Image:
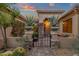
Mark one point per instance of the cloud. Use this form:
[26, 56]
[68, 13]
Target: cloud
[72, 4]
[51, 4]
[26, 7]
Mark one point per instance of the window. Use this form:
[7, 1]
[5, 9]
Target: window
[67, 26]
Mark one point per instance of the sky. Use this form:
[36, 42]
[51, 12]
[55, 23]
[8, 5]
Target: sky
[30, 8]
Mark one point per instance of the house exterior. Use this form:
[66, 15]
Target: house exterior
[68, 21]
[52, 15]
[47, 13]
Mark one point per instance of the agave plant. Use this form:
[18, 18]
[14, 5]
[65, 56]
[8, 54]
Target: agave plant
[30, 21]
[53, 20]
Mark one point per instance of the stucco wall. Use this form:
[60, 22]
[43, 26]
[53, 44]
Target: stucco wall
[66, 42]
[75, 24]
[8, 35]
[60, 27]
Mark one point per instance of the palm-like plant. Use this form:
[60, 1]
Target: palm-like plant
[30, 21]
[4, 5]
[15, 13]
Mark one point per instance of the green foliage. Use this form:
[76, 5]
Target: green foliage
[4, 5]
[35, 27]
[15, 12]
[30, 21]
[7, 53]
[19, 51]
[16, 52]
[35, 34]
[18, 29]
[5, 19]
[53, 20]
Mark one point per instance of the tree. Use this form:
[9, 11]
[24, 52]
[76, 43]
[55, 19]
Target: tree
[15, 13]
[5, 21]
[4, 5]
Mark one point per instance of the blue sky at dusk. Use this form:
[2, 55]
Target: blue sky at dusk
[30, 8]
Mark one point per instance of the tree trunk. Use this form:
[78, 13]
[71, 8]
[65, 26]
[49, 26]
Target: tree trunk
[3, 30]
[5, 38]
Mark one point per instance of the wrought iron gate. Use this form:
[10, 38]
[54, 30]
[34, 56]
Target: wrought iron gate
[44, 39]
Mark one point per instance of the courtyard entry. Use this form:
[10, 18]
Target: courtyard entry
[44, 39]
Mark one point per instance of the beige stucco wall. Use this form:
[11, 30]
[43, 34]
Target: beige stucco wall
[75, 24]
[60, 27]
[8, 33]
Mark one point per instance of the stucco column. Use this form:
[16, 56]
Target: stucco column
[75, 24]
[61, 26]
[78, 24]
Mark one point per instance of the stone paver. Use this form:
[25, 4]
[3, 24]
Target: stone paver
[40, 48]
[41, 51]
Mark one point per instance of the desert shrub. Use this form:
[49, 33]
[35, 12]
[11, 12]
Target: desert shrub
[19, 51]
[16, 52]
[7, 53]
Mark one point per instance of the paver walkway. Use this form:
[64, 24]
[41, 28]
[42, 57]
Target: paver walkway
[41, 51]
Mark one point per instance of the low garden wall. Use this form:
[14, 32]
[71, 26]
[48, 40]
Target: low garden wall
[66, 42]
[12, 42]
